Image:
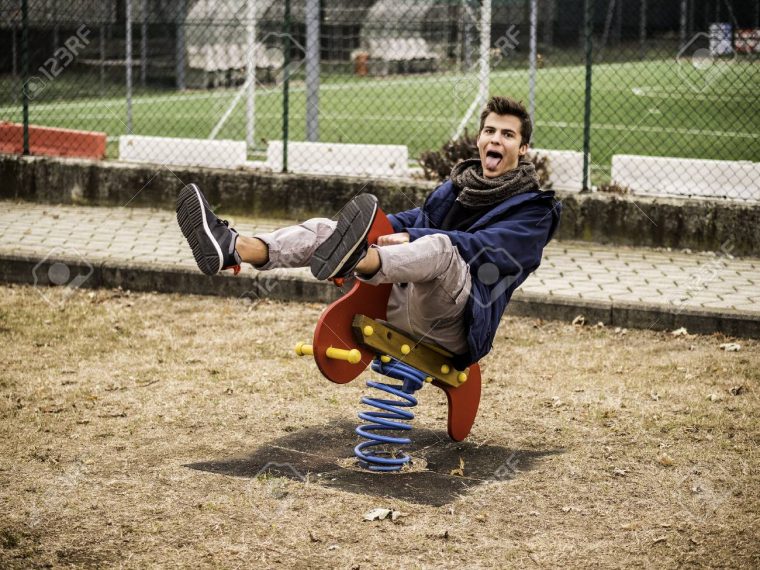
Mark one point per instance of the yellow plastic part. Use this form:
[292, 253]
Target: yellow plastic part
[353, 356]
[385, 358]
[461, 377]
[368, 330]
[429, 379]
[303, 349]
[445, 369]
[405, 349]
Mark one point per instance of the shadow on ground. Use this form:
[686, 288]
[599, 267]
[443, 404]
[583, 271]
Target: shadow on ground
[317, 453]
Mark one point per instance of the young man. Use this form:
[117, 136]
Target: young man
[454, 262]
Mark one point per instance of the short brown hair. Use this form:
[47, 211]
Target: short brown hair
[508, 106]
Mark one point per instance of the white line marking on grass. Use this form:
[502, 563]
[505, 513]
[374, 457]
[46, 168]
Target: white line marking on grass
[644, 129]
[659, 93]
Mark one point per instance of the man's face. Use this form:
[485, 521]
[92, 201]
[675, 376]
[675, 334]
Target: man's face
[500, 144]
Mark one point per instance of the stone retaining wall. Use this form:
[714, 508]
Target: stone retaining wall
[704, 225]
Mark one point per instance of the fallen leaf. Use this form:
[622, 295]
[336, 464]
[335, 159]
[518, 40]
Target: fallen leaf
[314, 538]
[665, 459]
[629, 526]
[620, 472]
[680, 332]
[376, 514]
[381, 514]
[459, 471]
[736, 390]
[730, 347]
[714, 397]
[660, 539]
[580, 320]
[655, 396]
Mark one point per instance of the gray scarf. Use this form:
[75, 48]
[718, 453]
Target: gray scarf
[477, 190]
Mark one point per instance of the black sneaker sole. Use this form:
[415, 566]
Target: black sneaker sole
[192, 221]
[354, 223]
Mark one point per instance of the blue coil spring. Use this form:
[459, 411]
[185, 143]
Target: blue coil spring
[391, 416]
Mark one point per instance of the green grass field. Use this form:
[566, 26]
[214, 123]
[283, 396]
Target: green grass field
[660, 108]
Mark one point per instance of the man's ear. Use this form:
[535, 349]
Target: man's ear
[524, 149]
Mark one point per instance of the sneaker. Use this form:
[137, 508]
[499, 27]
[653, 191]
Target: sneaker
[211, 239]
[347, 245]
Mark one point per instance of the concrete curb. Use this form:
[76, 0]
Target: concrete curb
[36, 270]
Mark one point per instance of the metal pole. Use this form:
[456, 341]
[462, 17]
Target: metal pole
[485, 46]
[250, 76]
[14, 49]
[682, 25]
[179, 47]
[144, 42]
[549, 24]
[285, 85]
[466, 60]
[588, 29]
[312, 70]
[56, 29]
[25, 72]
[643, 30]
[105, 11]
[533, 58]
[128, 60]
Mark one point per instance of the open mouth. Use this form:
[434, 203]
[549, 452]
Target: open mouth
[493, 158]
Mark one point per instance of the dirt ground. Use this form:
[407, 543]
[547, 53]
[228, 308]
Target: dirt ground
[107, 397]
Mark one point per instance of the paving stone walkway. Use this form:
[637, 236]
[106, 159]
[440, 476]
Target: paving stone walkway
[673, 280]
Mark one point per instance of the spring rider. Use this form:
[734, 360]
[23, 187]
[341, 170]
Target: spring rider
[351, 334]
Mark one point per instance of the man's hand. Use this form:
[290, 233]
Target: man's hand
[393, 239]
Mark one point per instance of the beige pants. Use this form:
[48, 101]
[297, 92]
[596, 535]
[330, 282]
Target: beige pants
[431, 280]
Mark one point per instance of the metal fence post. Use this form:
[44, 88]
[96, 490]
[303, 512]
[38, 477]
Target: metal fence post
[485, 46]
[25, 71]
[128, 63]
[643, 30]
[533, 59]
[312, 70]
[179, 47]
[682, 23]
[143, 42]
[588, 29]
[250, 76]
[285, 85]
[105, 12]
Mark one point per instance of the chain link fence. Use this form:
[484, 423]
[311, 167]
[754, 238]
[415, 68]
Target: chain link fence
[639, 96]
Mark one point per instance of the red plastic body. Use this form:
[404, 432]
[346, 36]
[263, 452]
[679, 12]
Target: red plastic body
[334, 329]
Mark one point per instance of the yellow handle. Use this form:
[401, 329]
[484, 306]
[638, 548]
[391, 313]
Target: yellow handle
[353, 356]
[303, 349]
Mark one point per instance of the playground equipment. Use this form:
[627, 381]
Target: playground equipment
[351, 334]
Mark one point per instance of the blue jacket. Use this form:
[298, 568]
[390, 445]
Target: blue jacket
[502, 248]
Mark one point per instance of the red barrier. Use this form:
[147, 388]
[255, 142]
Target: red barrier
[51, 141]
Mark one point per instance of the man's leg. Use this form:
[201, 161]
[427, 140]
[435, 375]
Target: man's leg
[216, 246]
[435, 285]
[292, 246]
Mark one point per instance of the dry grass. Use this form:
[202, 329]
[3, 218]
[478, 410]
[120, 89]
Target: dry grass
[105, 400]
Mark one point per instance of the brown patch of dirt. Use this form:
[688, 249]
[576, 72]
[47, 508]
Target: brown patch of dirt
[105, 401]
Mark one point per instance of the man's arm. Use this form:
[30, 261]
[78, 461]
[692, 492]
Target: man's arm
[403, 220]
[513, 245]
